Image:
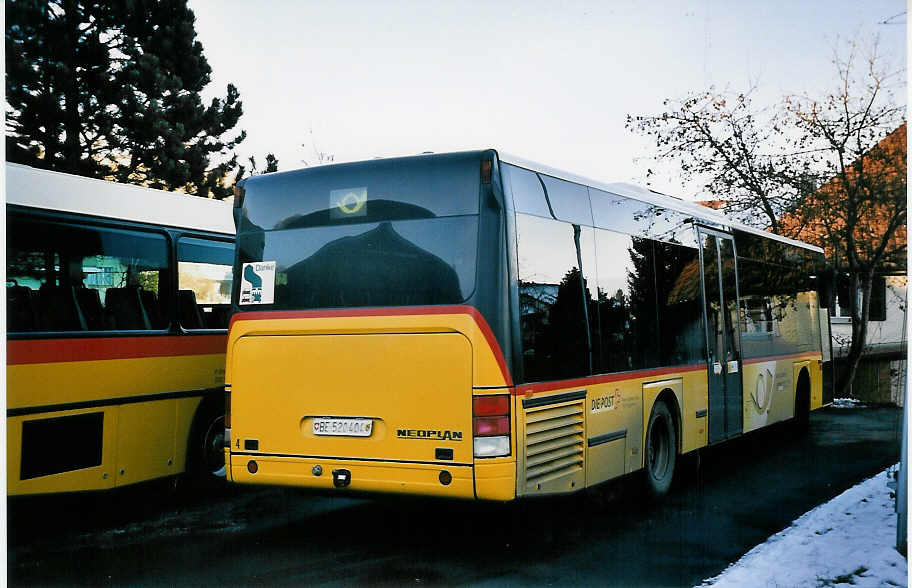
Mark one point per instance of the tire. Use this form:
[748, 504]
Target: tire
[802, 405]
[660, 454]
[206, 451]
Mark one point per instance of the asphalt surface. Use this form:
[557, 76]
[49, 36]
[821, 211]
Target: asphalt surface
[738, 495]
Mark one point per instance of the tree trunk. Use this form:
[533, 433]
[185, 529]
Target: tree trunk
[860, 280]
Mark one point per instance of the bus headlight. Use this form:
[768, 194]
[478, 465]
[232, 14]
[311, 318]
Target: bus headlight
[498, 446]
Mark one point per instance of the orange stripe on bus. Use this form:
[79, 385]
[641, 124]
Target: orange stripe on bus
[21, 352]
[395, 311]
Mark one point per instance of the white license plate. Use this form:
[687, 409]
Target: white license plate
[342, 427]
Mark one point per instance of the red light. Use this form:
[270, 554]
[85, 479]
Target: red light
[488, 426]
[491, 405]
[252, 467]
[445, 477]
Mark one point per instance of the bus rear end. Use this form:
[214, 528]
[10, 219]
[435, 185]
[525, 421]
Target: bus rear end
[360, 357]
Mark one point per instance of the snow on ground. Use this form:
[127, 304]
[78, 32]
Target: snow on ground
[846, 403]
[850, 540]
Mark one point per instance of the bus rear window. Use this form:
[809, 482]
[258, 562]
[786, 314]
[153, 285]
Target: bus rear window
[362, 192]
[402, 263]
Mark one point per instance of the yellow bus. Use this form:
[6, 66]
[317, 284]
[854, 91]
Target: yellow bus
[474, 325]
[117, 307]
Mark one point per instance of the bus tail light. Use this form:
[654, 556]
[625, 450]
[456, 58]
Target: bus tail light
[488, 426]
[491, 425]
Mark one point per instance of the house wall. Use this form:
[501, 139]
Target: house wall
[881, 374]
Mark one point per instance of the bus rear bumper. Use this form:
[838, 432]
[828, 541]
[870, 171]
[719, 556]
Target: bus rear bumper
[356, 475]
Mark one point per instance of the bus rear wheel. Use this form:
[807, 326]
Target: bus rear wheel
[802, 404]
[206, 455]
[661, 450]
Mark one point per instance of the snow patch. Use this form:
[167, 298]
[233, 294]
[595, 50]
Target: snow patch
[846, 403]
[850, 540]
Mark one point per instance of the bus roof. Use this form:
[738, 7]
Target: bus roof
[651, 197]
[619, 188]
[50, 190]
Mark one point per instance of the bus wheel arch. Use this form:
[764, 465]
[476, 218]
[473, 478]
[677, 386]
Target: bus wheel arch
[205, 447]
[661, 444]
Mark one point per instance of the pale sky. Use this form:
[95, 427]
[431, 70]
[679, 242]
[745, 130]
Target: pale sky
[548, 81]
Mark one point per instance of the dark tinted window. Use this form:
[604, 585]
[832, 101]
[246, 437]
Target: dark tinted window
[681, 335]
[63, 277]
[649, 298]
[878, 305]
[204, 278]
[553, 317]
[626, 302]
[528, 194]
[570, 201]
[413, 262]
[372, 191]
[640, 219]
[844, 294]
[878, 308]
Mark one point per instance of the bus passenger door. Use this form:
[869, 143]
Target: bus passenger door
[720, 308]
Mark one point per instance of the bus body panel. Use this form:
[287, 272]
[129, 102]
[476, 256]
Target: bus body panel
[611, 413]
[87, 477]
[495, 478]
[408, 385]
[411, 374]
[816, 371]
[488, 366]
[770, 388]
[139, 437]
[55, 383]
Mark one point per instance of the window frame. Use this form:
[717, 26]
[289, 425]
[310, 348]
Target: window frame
[170, 234]
[176, 253]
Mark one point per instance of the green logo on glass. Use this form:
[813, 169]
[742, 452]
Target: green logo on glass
[348, 202]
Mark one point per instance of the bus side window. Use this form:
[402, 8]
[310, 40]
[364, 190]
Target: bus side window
[551, 297]
[204, 277]
[64, 277]
[528, 194]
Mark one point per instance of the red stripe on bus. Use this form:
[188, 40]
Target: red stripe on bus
[395, 311]
[523, 389]
[21, 352]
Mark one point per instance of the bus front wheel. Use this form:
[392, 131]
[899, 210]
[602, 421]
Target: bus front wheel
[661, 450]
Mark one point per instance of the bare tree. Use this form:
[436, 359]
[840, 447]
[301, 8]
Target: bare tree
[830, 169]
[740, 153]
[854, 139]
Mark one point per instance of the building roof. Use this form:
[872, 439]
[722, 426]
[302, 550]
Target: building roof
[889, 155]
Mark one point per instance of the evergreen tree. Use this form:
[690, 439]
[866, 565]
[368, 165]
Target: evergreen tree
[112, 90]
